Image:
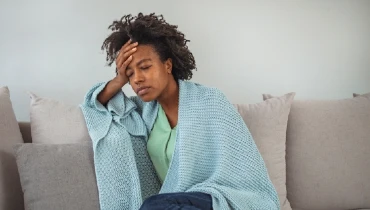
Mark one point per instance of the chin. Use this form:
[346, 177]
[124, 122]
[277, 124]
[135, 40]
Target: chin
[147, 98]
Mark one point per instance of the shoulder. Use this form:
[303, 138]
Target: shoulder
[202, 92]
[204, 102]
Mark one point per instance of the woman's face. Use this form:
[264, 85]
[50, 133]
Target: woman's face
[148, 75]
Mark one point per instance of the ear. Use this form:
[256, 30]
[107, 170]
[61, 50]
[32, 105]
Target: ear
[168, 65]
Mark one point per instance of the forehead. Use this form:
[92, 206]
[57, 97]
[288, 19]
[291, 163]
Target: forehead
[144, 51]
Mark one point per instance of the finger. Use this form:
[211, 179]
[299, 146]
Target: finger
[126, 44]
[122, 55]
[128, 53]
[125, 65]
[127, 62]
[125, 56]
[127, 48]
[123, 47]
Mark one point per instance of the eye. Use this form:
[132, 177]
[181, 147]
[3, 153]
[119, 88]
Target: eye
[145, 67]
[129, 74]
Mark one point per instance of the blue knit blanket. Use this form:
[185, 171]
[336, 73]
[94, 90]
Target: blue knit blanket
[214, 151]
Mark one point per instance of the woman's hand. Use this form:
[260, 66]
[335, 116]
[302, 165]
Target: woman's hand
[123, 60]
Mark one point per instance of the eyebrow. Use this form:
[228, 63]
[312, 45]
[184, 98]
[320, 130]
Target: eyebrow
[143, 60]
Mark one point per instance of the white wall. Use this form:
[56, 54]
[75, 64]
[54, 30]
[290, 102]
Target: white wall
[318, 49]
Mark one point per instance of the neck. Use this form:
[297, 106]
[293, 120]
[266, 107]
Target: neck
[169, 100]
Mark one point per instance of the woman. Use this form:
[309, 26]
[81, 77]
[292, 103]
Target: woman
[177, 144]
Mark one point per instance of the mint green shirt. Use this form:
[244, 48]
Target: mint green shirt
[161, 144]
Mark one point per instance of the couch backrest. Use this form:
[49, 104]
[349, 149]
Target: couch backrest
[327, 156]
[11, 196]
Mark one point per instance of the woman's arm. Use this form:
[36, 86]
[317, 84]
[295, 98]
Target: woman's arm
[110, 90]
[123, 59]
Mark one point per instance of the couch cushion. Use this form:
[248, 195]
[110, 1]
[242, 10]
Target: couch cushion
[55, 122]
[328, 153]
[11, 195]
[267, 122]
[57, 176]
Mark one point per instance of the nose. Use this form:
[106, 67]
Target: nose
[138, 77]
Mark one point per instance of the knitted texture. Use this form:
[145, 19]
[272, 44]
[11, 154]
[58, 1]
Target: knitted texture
[214, 151]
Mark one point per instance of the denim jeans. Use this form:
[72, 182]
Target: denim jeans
[177, 201]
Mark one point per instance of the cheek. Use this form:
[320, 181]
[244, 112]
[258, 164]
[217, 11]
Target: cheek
[159, 76]
[132, 83]
[162, 82]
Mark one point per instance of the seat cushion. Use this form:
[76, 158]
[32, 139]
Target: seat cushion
[328, 153]
[267, 122]
[11, 195]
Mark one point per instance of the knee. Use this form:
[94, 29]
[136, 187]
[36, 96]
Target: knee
[146, 205]
[154, 201]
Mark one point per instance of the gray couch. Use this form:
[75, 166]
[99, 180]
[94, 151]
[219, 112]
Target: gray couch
[317, 154]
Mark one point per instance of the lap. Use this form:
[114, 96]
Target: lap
[177, 201]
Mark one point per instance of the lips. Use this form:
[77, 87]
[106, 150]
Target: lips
[142, 90]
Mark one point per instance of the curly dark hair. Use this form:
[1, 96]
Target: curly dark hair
[152, 30]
